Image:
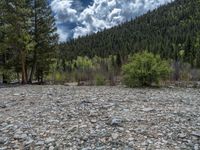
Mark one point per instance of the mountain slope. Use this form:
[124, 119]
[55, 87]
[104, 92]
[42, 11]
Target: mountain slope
[167, 31]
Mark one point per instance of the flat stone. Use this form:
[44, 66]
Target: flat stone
[2, 105]
[87, 148]
[182, 135]
[196, 133]
[49, 140]
[196, 147]
[51, 148]
[116, 121]
[93, 121]
[73, 128]
[3, 148]
[40, 143]
[115, 136]
[29, 142]
[16, 94]
[148, 109]
[2, 140]
[20, 136]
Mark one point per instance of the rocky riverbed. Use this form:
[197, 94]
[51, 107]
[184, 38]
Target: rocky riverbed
[99, 118]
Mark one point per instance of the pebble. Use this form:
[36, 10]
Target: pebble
[20, 136]
[2, 105]
[196, 147]
[40, 143]
[148, 109]
[182, 135]
[115, 136]
[93, 121]
[196, 133]
[49, 140]
[51, 148]
[2, 140]
[116, 121]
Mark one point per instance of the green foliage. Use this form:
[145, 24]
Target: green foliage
[45, 37]
[82, 67]
[144, 69]
[59, 77]
[100, 80]
[28, 39]
[92, 70]
[82, 63]
[7, 75]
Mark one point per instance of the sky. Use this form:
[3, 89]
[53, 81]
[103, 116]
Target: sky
[76, 18]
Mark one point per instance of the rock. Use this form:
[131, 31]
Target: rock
[182, 135]
[40, 143]
[2, 140]
[148, 109]
[196, 147]
[73, 128]
[116, 121]
[2, 105]
[16, 94]
[130, 139]
[49, 140]
[93, 121]
[87, 148]
[101, 148]
[115, 136]
[51, 148]
[196, 133]
[20, 136]
[126, 110]
[30, 141]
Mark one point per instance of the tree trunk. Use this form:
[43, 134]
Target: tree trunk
[4, 79]
[32, 68]
[177, 71]
[23, 67]
[18, 77]
[35, 37]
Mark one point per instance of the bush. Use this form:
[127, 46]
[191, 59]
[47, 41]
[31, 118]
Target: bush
[100, 80]
[144, 69]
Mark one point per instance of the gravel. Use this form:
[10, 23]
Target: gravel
[99, 118]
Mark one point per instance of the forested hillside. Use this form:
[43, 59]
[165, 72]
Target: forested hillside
[169, 30]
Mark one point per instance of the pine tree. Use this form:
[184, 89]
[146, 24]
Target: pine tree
[44, 37]
[17, 41]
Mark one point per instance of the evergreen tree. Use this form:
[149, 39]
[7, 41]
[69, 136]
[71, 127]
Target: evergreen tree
[44, 37]
[17, 40]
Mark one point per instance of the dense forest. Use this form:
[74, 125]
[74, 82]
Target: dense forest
[167, 31]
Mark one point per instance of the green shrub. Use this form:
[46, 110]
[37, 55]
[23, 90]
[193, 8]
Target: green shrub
[100, 80]
[9, 75]
[57, 77]
[144, 69]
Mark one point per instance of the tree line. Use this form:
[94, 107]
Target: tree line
[28, 39]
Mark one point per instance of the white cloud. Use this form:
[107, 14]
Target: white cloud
[100, 15]
[63, 10]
